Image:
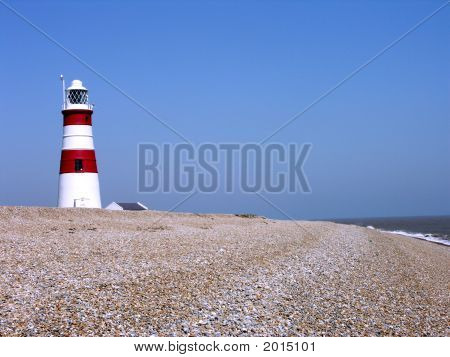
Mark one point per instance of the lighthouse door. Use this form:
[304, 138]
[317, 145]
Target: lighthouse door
[80, 202]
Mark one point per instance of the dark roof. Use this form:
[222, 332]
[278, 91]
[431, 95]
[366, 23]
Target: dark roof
[133, 206]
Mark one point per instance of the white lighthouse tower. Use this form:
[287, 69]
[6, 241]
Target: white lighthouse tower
[78, 175]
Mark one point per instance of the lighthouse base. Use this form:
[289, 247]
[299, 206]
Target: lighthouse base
[79, 190]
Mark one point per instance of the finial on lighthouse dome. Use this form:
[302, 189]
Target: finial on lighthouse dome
[76, 96]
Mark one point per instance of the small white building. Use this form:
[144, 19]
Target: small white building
[126, 206]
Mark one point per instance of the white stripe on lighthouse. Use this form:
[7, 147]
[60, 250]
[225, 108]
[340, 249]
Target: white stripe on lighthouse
[79, 190]
[71, 130]
[77, 137]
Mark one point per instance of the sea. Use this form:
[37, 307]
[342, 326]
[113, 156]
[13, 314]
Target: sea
[431, 228]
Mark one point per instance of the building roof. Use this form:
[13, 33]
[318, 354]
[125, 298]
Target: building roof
[132, 206]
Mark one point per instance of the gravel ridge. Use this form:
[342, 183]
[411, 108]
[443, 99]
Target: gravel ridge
[89, 272]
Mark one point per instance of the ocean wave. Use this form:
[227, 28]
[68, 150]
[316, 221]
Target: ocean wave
[428, 237]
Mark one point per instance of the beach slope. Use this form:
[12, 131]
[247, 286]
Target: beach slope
[89, 272]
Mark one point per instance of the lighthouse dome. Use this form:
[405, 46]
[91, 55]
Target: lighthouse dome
[76, 84]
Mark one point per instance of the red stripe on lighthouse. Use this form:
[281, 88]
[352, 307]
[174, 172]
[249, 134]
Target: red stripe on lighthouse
[77, 117]
[78, 161]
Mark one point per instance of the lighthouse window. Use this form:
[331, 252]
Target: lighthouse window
[77, 96]
[78, 165]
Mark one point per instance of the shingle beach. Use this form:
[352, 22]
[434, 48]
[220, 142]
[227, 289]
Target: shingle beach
[89, 272]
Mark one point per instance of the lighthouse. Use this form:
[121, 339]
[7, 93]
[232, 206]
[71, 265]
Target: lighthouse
[78, 174]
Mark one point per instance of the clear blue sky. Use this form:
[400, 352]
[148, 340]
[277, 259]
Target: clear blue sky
[233, 71]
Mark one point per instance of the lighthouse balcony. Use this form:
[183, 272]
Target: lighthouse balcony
[67, 106]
